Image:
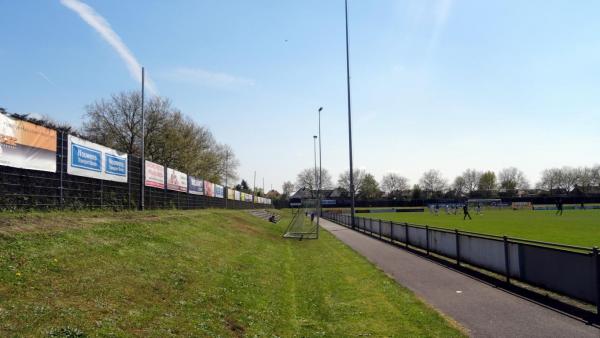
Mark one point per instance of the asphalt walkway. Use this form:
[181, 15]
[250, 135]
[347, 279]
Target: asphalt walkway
[484, 310]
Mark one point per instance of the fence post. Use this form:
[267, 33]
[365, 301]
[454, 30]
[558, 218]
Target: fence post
[380, 236]
[391, 232]
[427, 238]
[596, 253]
[406, 233]
[457, 246]
[62, 156]
[506, 259]
[101, 194]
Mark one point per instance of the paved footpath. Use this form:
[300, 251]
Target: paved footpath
[482, 309]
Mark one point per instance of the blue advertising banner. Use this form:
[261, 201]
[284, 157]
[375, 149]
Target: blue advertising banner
[195, 186]
[116, 165]
[219, 191]
[89, 159]
[86, 158]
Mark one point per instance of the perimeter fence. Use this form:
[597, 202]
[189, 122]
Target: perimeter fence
[568, 270]
[23, 189]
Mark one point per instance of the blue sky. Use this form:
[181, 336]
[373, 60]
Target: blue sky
[437, 84]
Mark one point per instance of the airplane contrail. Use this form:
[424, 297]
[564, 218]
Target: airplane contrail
[96, 21]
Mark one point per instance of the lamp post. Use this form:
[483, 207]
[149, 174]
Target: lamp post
[320, 174]
[349, 120]
[315, 152]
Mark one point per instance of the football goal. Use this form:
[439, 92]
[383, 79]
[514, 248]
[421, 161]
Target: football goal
[305, 221]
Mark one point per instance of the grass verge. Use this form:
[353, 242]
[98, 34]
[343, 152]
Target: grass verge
[192, 273]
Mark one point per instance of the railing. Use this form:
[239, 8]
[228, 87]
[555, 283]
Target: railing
[569, 270]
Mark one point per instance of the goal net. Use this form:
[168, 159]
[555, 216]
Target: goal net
[305, 220]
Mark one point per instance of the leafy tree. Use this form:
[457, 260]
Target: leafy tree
[369, 188]
[171, 138]
[487, 181]
[243, 187]
[417, 193]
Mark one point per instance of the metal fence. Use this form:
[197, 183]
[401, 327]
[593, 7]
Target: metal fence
[22, 189]
[568, 270]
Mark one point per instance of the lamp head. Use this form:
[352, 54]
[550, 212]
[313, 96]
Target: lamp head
[320, 108]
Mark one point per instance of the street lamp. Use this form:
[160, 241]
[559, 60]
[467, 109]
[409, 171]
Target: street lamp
[315, 152]
[349, 120]
[320, 174]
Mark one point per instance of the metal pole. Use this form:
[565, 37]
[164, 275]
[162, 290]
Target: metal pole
[320, 173]
[226, 188]
[349, 119]
[254, 189]
[142, 183]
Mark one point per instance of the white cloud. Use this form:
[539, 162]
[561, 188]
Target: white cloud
[96, 21]
[207, 78]
[43, 76]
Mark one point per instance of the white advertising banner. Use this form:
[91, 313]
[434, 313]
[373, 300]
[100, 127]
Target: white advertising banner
[238, 195]
[27, 145]
[155, 175]
[93, 160]
[176, 180]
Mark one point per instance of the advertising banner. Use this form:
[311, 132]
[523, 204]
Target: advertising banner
[26, 145]
[155, 175]
[248, 198]
[230, 194]
[209, 189]
[219, 191]
[89, 159]
[195, 186]
[176, 180]
[238, 196]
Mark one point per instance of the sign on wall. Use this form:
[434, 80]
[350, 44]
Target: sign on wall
[89, 159]
[26, 145]
[155, 175]
[176, 180]
[238, 195]
[230, 194]
[219, 191]
[209, 189]
[195, 186]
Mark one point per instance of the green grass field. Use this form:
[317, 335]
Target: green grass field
[193, 273]
[575, 227]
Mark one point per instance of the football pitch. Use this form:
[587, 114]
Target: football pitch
[574, 227]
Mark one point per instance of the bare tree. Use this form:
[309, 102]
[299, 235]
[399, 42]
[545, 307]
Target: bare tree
[471, 178]
[287, 188]
[512, 178]
[358, 177]
[432, 181]
[459, 185]
[309, 179]
[392, 182]
[550, 179]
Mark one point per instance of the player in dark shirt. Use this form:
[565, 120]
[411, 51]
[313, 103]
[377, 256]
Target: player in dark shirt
[466, 211]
